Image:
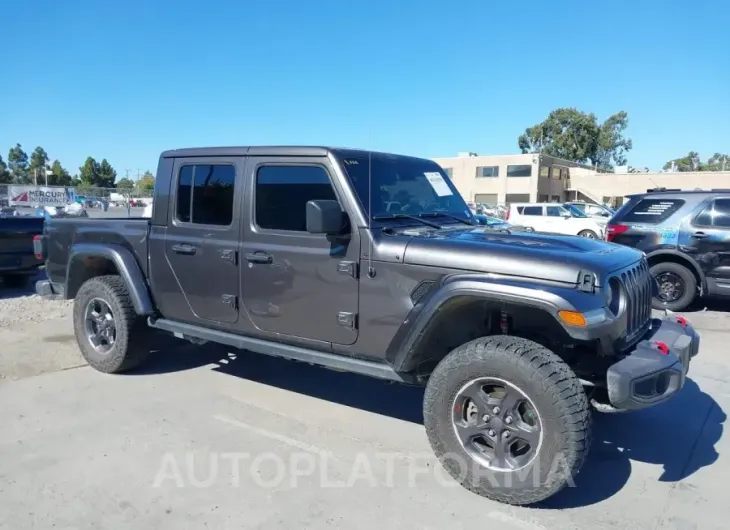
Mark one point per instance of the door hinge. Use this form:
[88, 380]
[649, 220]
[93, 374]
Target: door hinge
[348, 320]
[348, 267]
[231, 255]
[230, 300]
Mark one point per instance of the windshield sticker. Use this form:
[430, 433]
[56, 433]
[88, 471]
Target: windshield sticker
[438, 184]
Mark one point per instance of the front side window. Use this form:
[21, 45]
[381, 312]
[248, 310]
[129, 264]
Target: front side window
[388, 185]
[519, 171]
[553, 211]
[282, 193]
[716, 215]
[205, 194]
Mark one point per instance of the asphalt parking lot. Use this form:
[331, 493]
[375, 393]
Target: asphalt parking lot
[206, 437]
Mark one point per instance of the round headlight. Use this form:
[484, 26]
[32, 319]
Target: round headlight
[613, 296]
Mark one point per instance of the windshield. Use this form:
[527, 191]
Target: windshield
[402, 185]
[574, 210]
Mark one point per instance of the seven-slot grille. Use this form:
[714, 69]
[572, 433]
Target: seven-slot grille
[637, 283]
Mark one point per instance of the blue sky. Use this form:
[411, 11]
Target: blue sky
[125, 80]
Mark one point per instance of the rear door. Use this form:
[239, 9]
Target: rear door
[709, 242]
[202, 239]
[533, 216]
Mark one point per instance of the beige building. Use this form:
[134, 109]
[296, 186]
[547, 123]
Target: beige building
[502, 179]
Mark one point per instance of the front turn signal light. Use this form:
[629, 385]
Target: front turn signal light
[573, 318]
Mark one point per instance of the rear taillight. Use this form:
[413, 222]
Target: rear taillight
[38, 247]
[613, 230]
[506, 217]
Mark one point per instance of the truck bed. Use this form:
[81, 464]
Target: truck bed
[130, 233]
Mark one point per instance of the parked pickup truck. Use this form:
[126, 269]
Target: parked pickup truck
[371, 263]
[17, 260]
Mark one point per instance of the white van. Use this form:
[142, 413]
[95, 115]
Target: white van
[554, 218]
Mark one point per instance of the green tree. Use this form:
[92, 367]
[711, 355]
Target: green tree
[718, 162]
[106, 175]
[5, 177]
[58, 175]
[38, 165]
[125, 183]
[147, 182]
[18, 164]
[89, 173]
[570, 134]
[690, 162]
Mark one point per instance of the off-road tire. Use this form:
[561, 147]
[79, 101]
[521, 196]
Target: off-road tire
[550, 385]
[131, 346]
[590, 234]
[690, 286]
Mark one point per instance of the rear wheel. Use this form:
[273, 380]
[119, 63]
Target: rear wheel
[110, 335]
[590, 234]
[676, 286]
[508, 419]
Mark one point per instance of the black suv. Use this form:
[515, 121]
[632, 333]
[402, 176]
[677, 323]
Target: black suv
[686, 238]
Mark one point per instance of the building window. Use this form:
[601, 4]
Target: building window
[282, 193]
[519, 171]
[449, 172]
[205, 194]
[557, 173]
[488, 171]
[545, 171]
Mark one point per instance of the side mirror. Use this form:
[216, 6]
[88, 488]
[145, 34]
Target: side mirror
[325, 217]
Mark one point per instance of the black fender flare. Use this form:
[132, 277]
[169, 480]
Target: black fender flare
[405, 342]
[125, 263]
[684, 257]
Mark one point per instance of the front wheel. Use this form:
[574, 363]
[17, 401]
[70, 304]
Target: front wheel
[590, 234]
[508, 419]
[676, 286]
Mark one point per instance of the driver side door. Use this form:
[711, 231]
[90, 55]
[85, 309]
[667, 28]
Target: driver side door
[295, 283]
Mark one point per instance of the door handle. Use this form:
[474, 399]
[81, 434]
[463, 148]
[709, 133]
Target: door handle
[700, 235]
[184, 249]
[259, 257]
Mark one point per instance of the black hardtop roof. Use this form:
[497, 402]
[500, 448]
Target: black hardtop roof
[270, 150]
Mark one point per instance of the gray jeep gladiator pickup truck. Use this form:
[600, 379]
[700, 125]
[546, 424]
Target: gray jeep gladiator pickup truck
[372, 263]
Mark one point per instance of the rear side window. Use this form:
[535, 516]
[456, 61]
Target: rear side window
[530, 210]
[717, 215]
[651, 211]
[205, 194]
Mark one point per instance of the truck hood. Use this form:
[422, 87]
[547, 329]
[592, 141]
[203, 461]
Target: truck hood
[523, 254]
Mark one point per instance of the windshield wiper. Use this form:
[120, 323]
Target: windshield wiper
[405, 216]
[443, 214]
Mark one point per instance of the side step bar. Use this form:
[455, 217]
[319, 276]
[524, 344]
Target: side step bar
[276, 349]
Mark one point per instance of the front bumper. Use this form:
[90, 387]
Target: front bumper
[657, 367]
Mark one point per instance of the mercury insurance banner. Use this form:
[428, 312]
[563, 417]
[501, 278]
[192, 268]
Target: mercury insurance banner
[39, 195]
